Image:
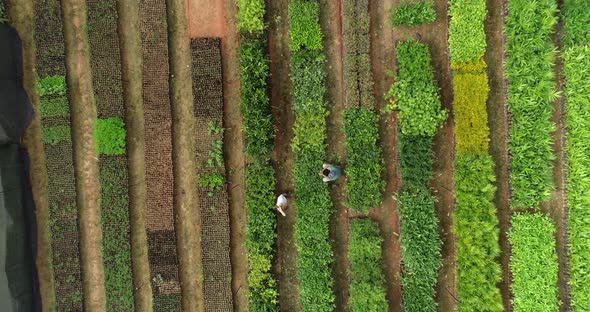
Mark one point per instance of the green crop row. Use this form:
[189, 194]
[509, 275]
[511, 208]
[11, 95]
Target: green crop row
[467, 39]
[367, 286]
[3, 17]
[364, 164]
[314, 254]
[251, 16]
[414, 92]
[576, 17]
[414, 13]
[531, 91]
[419, 238]
[533, 263]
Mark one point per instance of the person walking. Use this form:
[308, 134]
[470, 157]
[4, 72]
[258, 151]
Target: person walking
[282, 203]
[330, 172]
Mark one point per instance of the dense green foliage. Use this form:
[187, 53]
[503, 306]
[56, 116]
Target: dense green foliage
[477, 232]
[251, 15]
[54, 107]
[56, 134]
[367, 285]
[314, 254]
[576, 67]
[531, 91]
[116, 241]
[533, 263]
[51, 86]
[413, 13]
[3, 17]
[420, 243]
[467, 39]
[414, 92]
[110, 136]
[364, 164]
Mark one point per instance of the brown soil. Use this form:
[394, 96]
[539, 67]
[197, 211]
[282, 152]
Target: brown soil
[21, 16]
[206, 18]
[234, 158]
[85, 161]
[498, 123]
[285, 266]
[382, 61]
[331, 24]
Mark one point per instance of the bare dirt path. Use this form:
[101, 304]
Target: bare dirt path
[206, 18]
[498, 123]
[382, 61]
[282, 157]
[331, 24]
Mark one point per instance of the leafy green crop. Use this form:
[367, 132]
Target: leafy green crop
[364, 164]
[304, 23]
[251, 15]
[533, 263]
[3, 17]
[110, 136]
[51, 86]
[56, 134]
[54, 107]
[367, 284]
[414, 13]
[576, 22]
[414, 92]
[467, 39]
[531, 91]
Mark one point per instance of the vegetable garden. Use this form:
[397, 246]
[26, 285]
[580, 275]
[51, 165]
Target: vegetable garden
[461, 127]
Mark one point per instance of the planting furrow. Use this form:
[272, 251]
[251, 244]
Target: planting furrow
[259, 173]
[576, 70]
[314, 254]
[475, 217]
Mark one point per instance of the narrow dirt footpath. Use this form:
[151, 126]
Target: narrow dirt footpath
[382, 61]
[83, 116]
[498, 123]
[235, 162]
[331, 25]
[285, 268]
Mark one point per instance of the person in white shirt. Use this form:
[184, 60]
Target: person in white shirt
[282, 203]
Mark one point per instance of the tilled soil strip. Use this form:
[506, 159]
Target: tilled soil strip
[331, 25]
[83, 114]
[286, 257]
[498, 123]
[131, 64]
[22, 19]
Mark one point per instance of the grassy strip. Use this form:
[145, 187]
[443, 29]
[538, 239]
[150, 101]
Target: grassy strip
[313, 200]
[533, 263]
[116, 242]
[576, 17]
[531, 91]
[367, 287]
[414, 13]
[364, 164]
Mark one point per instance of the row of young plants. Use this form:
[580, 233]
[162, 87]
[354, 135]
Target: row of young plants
[576, 67]
[314, 254]
[413, 13]
[260, 183]
[416, 96]
[528, 68]
[475, 220]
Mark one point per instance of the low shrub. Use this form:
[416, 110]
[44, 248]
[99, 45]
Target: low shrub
[467, 38]
[109, 136]
[54, 107]
[251, 15]
[533, 263]
[56, 134]
[531, 91]
[477, 233]
[414, 92]
[367, 284]
[414, 13]
[304, 24]
[364, 163]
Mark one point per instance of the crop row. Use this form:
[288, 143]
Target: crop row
[576, 17]
[475, 221]
[260, 184]
[367, 286]
[414, 13]
[314, 254]
[528, 68]
[417, 98]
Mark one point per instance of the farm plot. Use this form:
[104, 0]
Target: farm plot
[54, 111]
[211, 172]
[162, 251]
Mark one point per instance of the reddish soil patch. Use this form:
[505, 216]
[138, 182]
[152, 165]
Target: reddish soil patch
[498, 123]
[331, 24]
[206, 18]
[285, 267]
[382, 61]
